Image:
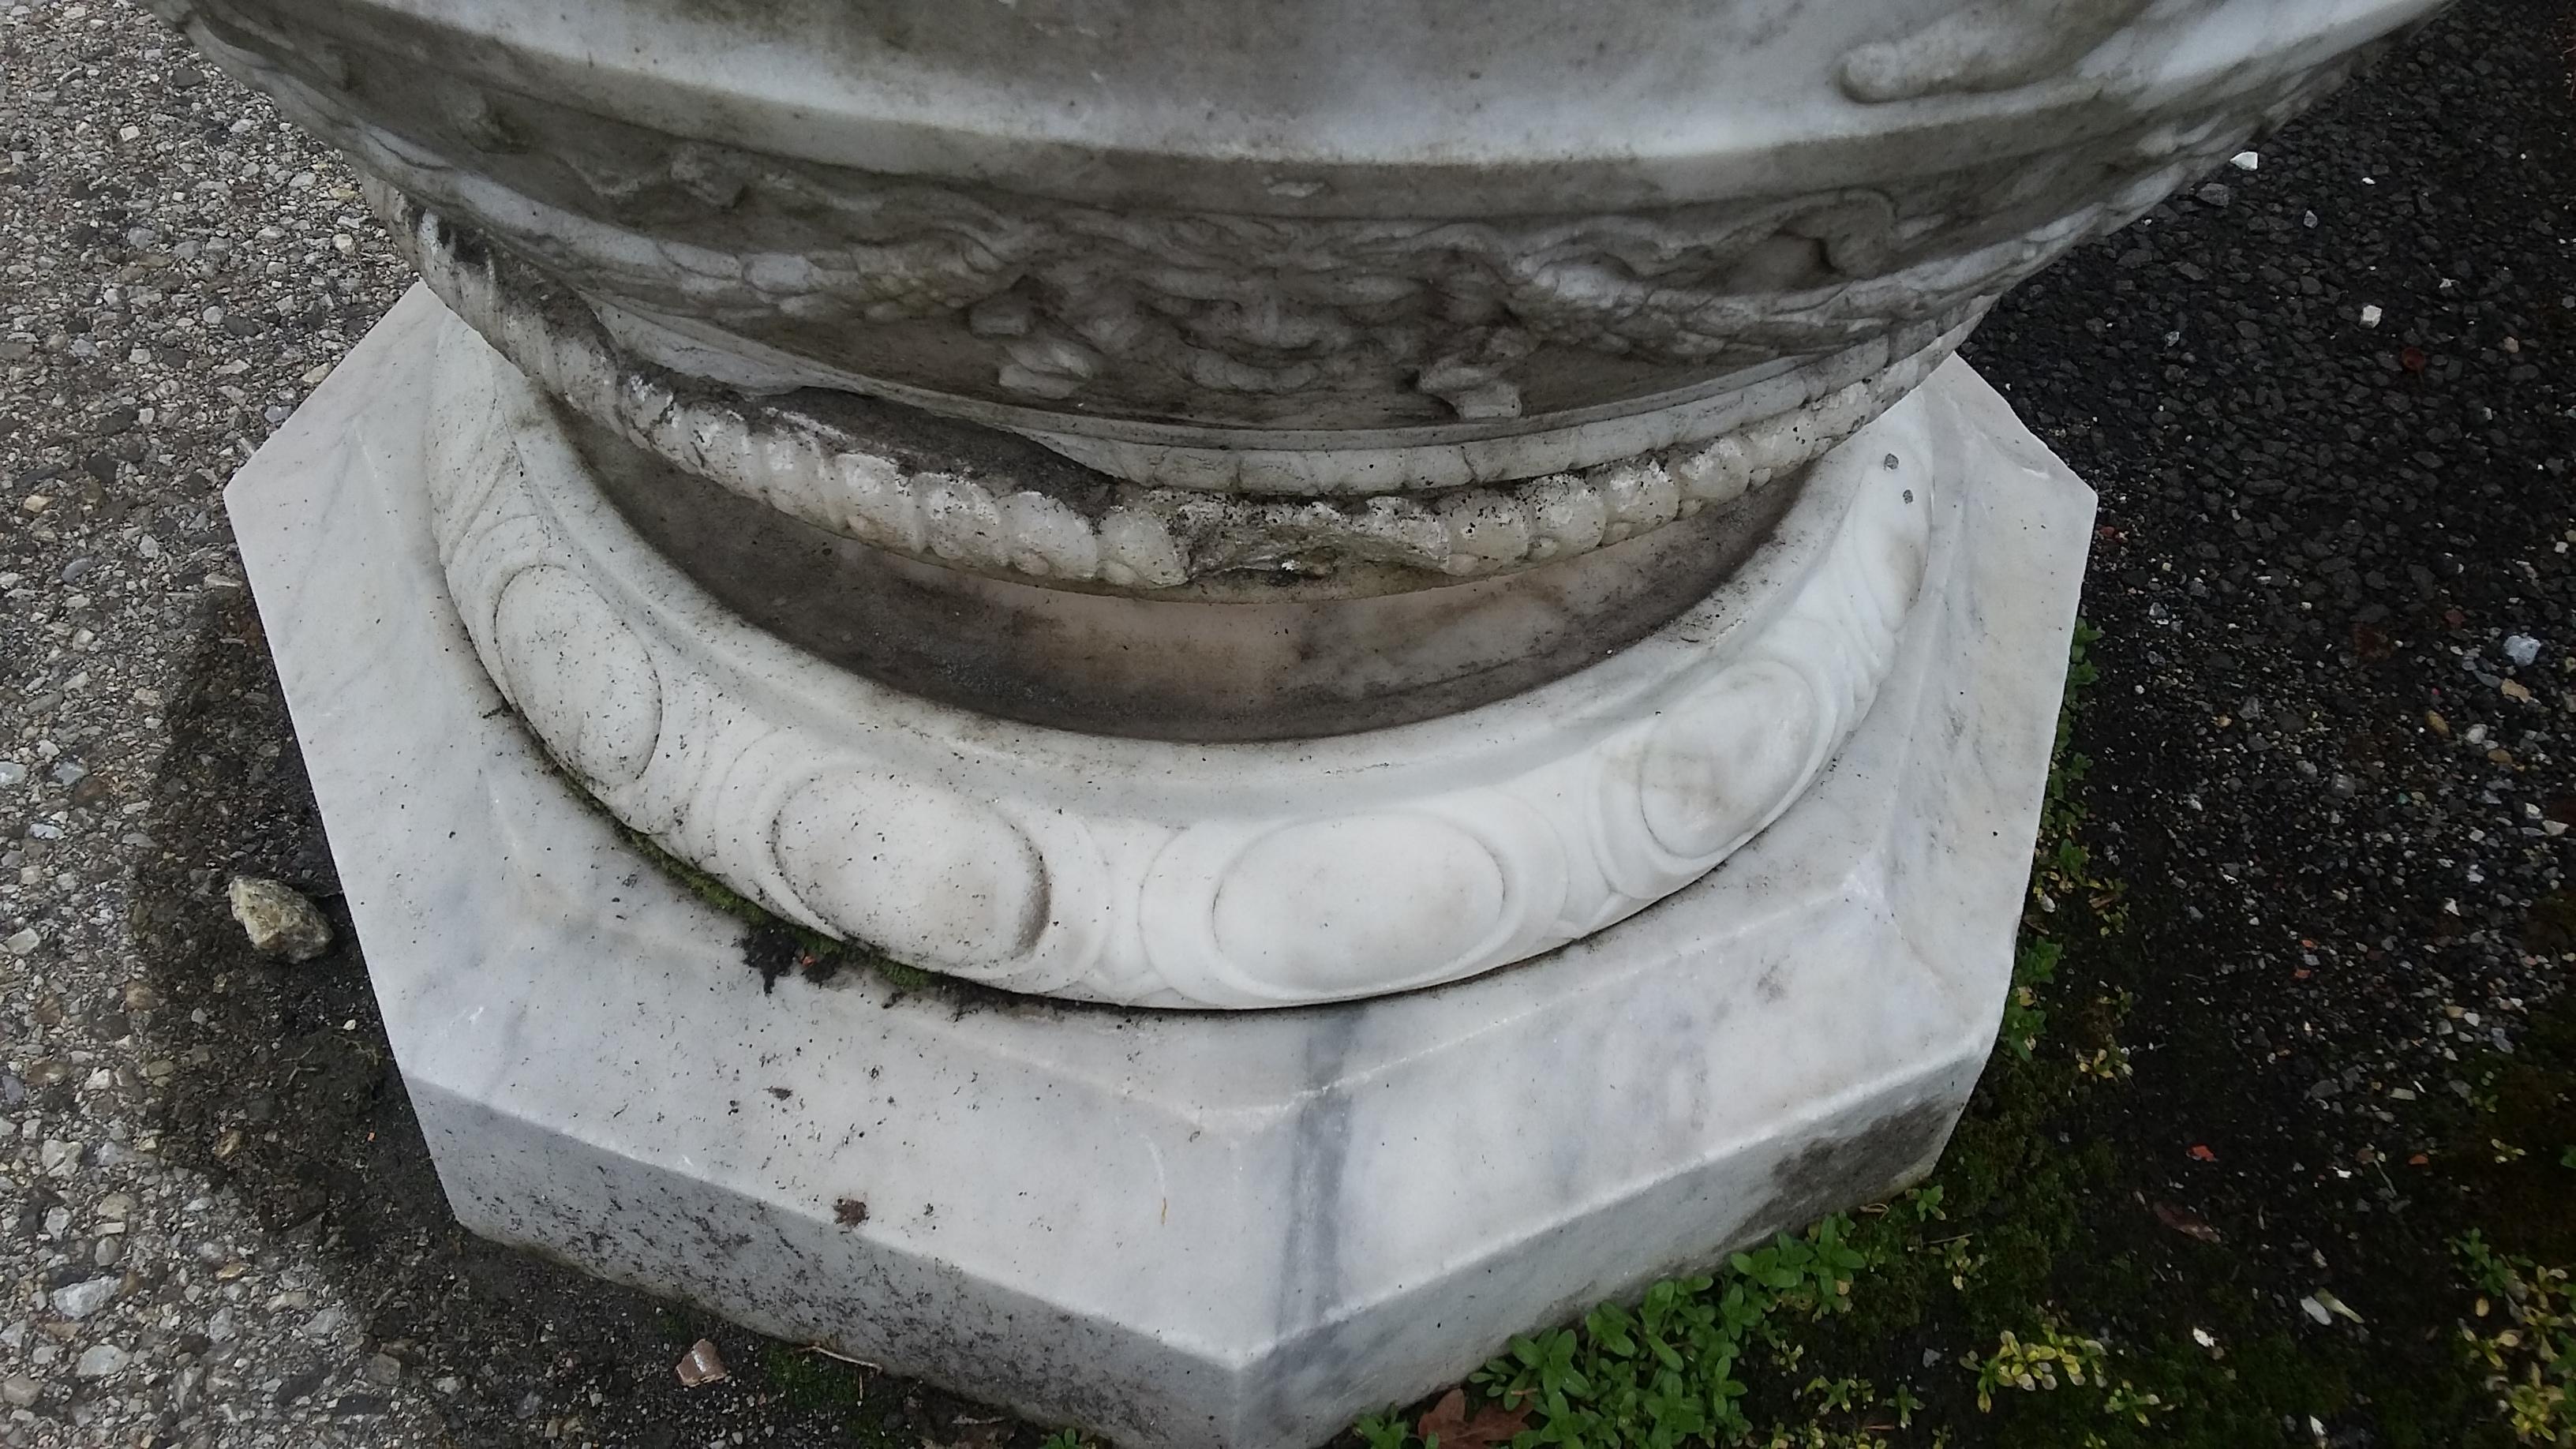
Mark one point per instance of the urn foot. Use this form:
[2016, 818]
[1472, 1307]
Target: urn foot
[1172, 1228]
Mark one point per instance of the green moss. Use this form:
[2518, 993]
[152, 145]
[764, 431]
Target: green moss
[812, 1382]
[674, 1325]
[880, 1423]
[773, 945]
[909, 978]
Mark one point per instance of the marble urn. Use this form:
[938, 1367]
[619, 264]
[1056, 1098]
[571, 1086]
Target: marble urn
[1418, 583]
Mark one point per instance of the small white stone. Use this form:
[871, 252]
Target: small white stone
[25, 942]
[100, 1360]
[2246, 161]
[2370, 315]
[80, 1300]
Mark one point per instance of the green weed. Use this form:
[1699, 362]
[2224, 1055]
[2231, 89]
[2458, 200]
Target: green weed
[2523, 1343]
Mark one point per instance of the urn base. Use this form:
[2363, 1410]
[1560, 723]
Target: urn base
[1170, 1228]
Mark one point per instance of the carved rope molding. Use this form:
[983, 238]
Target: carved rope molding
[1146, 538]
[1163, 874]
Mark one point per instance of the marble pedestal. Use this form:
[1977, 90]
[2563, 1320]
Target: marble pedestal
[1235, 1229]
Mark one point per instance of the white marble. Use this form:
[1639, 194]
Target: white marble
[1421, 512]
[1176, 1229]
[1156, 872]
[1326, 247]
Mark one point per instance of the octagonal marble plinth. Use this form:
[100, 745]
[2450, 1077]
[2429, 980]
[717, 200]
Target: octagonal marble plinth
[1172, 1229]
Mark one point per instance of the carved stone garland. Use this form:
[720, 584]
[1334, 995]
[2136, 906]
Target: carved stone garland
[1090, 327]
[792, 458]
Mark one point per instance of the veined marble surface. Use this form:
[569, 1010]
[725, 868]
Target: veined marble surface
[1326, 246]
[1173, 1229]
[1163, 872]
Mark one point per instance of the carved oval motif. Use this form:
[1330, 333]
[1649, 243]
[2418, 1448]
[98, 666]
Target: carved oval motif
[923, 874]
[1329, 907]
[579, 675]
[1729, 758]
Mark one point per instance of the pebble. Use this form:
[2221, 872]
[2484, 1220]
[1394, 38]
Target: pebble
[20, 1392]
[100, 1360]
[80, 1300]
[279, 921]
[12, 773]
[2522, 649]
[22, 943]
[701, 1365]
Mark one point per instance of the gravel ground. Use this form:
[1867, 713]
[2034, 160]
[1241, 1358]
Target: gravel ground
[180, 269]
[2329, 409]
[2334, 570]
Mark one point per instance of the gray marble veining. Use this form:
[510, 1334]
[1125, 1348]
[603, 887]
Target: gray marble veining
[1175, 1229]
